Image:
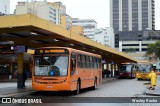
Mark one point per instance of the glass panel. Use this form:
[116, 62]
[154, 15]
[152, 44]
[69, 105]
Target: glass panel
[144, 68]
[126, 68]
[51, 65]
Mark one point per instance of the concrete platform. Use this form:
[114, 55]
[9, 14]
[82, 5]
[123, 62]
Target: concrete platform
[9, 88]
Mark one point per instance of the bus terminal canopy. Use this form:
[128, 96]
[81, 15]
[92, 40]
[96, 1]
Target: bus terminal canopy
[34, 32]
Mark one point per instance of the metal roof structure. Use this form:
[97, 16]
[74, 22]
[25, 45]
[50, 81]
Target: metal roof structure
[35, 32]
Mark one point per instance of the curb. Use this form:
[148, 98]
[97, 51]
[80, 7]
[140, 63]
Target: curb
[12, 80]
[151, 92]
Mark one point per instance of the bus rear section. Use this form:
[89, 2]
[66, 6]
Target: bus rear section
[127, 70]
[59, 69]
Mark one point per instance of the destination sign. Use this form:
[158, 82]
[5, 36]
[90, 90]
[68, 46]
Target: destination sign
[51, 51]
[6, 49]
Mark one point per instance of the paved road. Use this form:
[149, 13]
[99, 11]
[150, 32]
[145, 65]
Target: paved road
[116, 88]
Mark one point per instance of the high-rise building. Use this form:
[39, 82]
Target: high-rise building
[54, 12]
[89, 26]
[4, 7]
[105, 36]
[129, 18]
[68, 22]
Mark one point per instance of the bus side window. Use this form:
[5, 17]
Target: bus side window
[100, 62]
[79, 61]
[94, 62]
[84, 61]
[73, 63]
[87, 61]
[134, 68]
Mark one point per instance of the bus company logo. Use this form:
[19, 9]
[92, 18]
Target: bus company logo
[6, 100]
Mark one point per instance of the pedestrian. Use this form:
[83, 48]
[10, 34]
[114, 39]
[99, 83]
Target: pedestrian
[25, 75]
[109, 72]
[10, 77]
[153, 80]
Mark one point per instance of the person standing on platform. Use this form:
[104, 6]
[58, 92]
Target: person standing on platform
[153, 80]
[25, 75]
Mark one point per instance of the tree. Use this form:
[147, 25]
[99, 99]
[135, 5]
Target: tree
[154, 50]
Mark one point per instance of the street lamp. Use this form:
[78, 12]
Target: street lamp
[157, 35]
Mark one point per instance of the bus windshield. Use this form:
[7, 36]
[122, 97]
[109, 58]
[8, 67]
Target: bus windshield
[126, 68]
[144, 68]
[51, 65]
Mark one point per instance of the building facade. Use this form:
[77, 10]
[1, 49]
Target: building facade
[149, 37]
[4, 7]
[54, 12]
[68, 22]
[134, 46]
[129, 18]
[89, 26]
[105, 36]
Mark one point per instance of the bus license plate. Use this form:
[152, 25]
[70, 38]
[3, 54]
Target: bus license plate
[49, 86]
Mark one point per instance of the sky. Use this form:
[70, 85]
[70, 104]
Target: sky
[99, 10]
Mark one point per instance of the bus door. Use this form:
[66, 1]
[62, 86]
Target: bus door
[134, 71]
[73, 62]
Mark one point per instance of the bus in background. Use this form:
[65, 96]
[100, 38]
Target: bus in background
[65, 69]
[144, 70]
[127, 70]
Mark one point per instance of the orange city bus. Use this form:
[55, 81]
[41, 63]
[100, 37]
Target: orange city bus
[65, 69]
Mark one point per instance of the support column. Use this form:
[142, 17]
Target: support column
[10, 70]
[107, 66]
[111, 70]
[115, 70]
[103, 70]
[103, 67]
[118, 68]
[20, 70]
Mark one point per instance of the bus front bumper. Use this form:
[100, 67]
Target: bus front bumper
[145, 77]
[66, 86]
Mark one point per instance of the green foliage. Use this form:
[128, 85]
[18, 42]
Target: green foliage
[153, 49]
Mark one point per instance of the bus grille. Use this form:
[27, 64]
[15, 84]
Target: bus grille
[49, 82]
